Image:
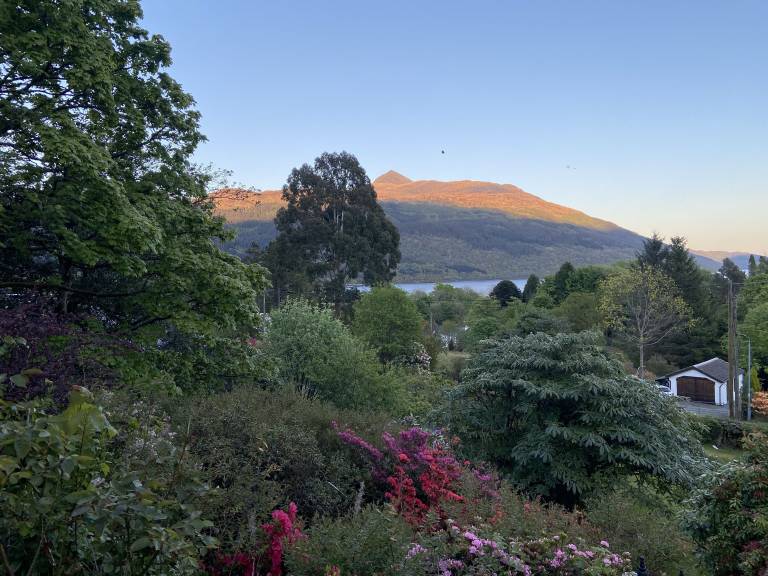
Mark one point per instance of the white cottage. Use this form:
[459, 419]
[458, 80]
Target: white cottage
[702, 382]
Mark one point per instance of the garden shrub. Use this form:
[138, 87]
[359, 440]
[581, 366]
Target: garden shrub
[422, 390]
[416, 470]
[264, 448]
[721, 431]
[646, 523]
[481, 550]
[727, 516]
[555, 414]
[371, 542]
[68, 507]
[314, 350]
[450, 364]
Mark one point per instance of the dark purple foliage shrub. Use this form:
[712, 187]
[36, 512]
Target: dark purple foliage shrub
[53, 352]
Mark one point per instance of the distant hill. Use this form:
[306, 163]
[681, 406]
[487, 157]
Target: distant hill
[716, 257]
[460, 230]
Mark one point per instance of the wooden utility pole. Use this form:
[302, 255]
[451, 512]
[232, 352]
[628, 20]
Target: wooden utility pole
[731, 387]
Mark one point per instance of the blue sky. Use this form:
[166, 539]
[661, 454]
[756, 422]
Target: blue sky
[659, 108]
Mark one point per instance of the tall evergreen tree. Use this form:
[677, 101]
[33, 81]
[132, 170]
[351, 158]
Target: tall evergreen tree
[332, 229]
[654, 252]
[752, 265]
[531, 287]
[680, 265]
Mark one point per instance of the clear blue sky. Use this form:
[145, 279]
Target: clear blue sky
[660, 108]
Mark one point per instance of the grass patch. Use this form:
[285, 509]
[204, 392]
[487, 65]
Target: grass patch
[724, 454]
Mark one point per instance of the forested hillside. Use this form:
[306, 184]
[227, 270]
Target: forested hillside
[459, 230]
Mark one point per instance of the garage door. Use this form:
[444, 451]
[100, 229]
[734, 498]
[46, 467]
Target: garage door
[697, 389]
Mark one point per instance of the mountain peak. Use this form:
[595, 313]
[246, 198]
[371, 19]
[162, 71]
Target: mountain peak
[392, 177]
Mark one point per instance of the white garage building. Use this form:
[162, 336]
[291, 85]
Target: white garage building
[702, 382]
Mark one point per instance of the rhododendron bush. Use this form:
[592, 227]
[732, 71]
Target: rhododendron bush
[418, 470]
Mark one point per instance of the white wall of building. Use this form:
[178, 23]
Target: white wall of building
[721, 390]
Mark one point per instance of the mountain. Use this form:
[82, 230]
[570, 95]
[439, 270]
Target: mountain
[464, 229]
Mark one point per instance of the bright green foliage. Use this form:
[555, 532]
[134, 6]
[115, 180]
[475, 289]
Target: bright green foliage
[69, 508]
[268, 447]
[556, 414]
[487, 319]
[333, 230]
[581, 310]
[99, 205]
[445, 303]
[389, 321]
[728, 515]
[587, 279]
[314, 350]
[642, 305]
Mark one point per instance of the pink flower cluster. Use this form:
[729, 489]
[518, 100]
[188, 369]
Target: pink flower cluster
[416, 469]
[545, 556]
[282, 530]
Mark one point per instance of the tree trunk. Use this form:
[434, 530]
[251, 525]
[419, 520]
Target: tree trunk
[642, 361]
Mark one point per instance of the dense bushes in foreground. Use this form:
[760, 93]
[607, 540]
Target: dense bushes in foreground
[728, 515]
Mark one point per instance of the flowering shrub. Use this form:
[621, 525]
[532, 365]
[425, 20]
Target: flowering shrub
[417, 358]
[282, 531]
[418, 470]
[462, 552]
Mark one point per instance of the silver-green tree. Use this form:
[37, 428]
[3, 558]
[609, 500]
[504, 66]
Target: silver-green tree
[642, 305]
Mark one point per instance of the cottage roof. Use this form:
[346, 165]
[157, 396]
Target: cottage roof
[716, 368]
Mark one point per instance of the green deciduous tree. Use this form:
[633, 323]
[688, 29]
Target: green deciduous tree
[332, 229]
[642, 304]
[312, 349]
[581, 310]
[732, 272]
[556, 414]
[559, 285]
[389, 321]
[100, 208]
